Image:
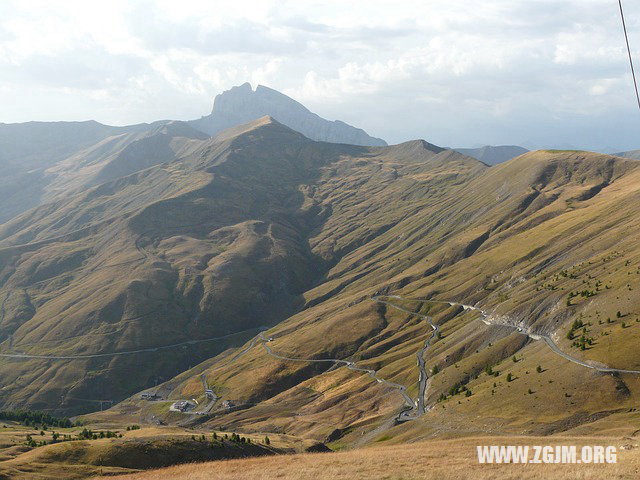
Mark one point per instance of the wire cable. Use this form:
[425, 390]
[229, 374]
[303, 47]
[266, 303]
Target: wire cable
[626, 37]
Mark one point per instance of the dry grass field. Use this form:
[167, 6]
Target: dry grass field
[129, 451]
[452, 459]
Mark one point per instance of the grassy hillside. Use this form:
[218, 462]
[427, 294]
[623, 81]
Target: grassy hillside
[162, 278]
[436, 459]
[71, 454]
[236, 234]
[524, 241]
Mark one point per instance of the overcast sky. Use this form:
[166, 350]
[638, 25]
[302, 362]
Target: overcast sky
[454, 72]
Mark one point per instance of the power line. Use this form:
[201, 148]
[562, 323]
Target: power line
[626, 37]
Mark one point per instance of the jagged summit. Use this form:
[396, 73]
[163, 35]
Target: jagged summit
[241, 104]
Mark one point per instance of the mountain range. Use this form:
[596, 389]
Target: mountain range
[324, 292]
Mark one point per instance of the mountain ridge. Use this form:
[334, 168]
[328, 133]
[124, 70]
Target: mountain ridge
[241, 104]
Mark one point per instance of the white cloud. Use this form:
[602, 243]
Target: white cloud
[455, 72]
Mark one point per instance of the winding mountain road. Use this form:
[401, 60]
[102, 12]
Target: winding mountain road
[423, 378]
[525, 330]
[413, 408]
[26, 356]
[351, 366]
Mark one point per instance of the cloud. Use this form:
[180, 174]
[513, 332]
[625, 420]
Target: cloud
[455, 72]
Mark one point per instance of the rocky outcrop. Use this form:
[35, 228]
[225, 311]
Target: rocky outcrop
[242, 105]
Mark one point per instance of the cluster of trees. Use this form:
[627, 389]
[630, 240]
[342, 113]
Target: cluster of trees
[582, 341]
[581, 293]
[576, 325]
[56, 437]
[455, 390]
[567, 273]
[87, 434]
[490, 371]
[218, 440]
[35, 419]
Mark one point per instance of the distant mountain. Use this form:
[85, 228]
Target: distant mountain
[493, 155]
[633, 154]
[242, 105]
[40, 161]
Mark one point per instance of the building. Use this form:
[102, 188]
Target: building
[182, 406]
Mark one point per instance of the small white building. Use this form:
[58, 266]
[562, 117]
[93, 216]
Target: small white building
[182, 406]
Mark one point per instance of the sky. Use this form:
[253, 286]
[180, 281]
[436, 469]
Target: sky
[457, 73]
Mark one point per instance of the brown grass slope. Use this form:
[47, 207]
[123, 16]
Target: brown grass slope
[261, 226]
[515, 239]
[129, 451]
[433, 460]
[210, 244]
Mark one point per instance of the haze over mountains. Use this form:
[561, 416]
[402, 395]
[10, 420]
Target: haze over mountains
[149, 258]
[39, 159]
[634, 154]
[492, 155]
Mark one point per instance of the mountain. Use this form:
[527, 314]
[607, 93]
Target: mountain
[633, 154]
[41, 161]
[323, 292]
[241, 104]
[493, 155]
[536, 244]
[36, 144]
[212, 244]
